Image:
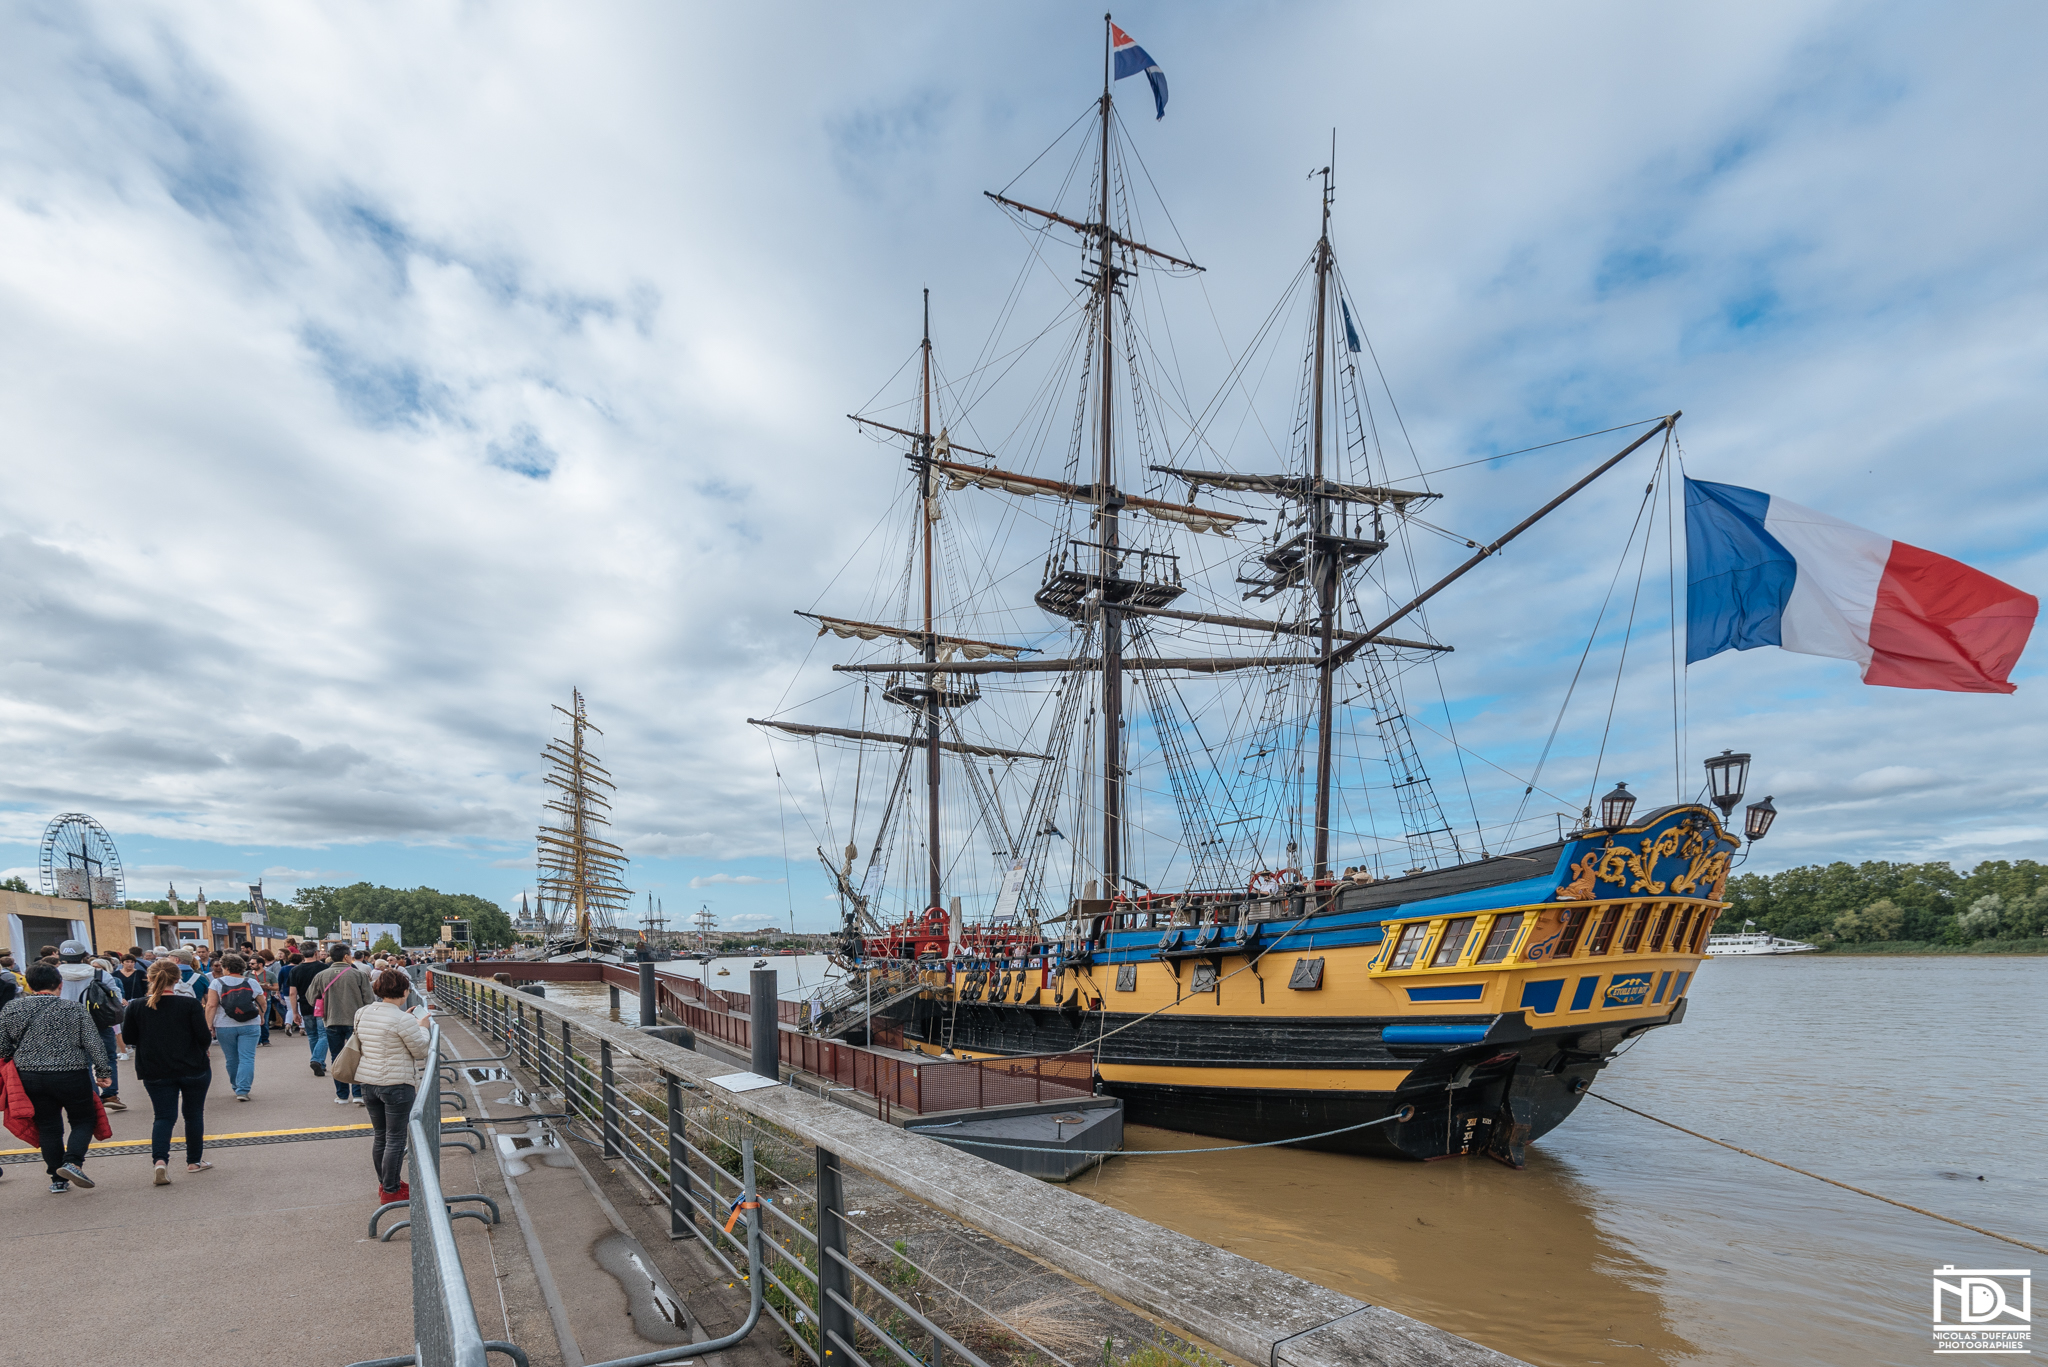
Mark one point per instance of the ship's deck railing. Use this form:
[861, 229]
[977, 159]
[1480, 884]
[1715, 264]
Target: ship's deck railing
[840, 1293]
[921, 1086]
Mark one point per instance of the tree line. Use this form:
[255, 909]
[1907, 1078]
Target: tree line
[417, 911]
[1874, 901]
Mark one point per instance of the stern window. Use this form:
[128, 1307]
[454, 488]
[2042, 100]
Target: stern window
[1678, 936]
[1455, 936]
[1633, 941]
[1574, 927]
[1501, 938]
[1603, 934]
[1663, 924]
[1409, 945]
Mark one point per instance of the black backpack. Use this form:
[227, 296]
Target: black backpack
[239, 1002]
[104, 1003]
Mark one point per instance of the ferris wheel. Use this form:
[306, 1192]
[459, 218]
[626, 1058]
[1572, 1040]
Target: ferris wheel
[79, 861]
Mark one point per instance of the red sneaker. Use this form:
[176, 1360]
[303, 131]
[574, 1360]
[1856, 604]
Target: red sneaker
[404, 1192]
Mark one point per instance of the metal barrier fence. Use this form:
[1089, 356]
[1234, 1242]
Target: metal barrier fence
[828, 1305]
[444, 1323]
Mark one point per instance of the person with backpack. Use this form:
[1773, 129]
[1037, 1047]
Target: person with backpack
[273, 1005]
[56, 1053]
[104, 996]
[234, 1012]
[166, 1027]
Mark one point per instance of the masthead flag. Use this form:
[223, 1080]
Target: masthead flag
[1764, 572]
[1132, 59]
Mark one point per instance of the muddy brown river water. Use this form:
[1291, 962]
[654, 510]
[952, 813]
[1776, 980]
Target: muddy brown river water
[1627, 1244]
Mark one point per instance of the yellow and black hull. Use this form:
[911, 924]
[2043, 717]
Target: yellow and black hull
[1479, 1015]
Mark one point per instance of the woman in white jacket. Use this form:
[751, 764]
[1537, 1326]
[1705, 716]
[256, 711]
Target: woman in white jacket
[394, 1044]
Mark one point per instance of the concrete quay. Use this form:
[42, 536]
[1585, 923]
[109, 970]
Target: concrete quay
[1253, 1313]
[266, 1259]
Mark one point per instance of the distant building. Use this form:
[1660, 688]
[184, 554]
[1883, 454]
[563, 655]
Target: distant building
[29, 920]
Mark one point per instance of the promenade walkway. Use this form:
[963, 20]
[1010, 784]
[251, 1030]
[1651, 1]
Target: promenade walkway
[265, 1257]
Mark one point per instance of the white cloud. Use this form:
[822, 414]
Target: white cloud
[366, 412]
[748, 920]
[715, 879]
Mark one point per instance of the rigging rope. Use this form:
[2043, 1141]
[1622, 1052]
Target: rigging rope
[1917, 1210]
[1584, 655]
[1628, 632]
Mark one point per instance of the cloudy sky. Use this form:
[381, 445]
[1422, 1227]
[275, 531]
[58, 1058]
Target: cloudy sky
[373, 375]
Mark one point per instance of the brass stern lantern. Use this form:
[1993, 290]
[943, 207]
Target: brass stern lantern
[1727, 776]
[1758, 820]
[1616, 806]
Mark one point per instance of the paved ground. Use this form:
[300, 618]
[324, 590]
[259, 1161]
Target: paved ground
[265, 1257]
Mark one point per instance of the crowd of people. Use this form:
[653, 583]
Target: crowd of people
[69, 1019]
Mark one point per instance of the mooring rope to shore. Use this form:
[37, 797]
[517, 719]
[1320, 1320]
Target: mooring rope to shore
[1917, 1210]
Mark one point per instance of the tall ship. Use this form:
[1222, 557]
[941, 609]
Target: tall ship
[1122, 759]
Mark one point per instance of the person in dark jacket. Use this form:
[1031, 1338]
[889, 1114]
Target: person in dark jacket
[167, 1030]
[316, 1034]
[57, 1051]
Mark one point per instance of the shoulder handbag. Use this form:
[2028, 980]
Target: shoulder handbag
[342, 1068]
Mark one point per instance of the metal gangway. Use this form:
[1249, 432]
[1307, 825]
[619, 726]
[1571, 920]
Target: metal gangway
[860, 997]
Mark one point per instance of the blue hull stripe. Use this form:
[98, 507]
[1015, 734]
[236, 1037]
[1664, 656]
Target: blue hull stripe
[1582, 995]
[1433, 1034]
[1460, 992]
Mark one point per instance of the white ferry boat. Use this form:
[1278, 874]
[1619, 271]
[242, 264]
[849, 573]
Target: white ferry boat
[1753, 942]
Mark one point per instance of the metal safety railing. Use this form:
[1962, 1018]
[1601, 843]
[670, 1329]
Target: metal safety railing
[838, 1291]
[445, 1328]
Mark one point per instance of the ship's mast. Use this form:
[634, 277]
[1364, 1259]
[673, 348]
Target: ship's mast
[1326, 562]
[1107, 564]
[933, 685]
[579, 870]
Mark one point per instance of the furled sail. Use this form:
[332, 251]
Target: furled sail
[846, 629]
[960, 476]
[1296, 486]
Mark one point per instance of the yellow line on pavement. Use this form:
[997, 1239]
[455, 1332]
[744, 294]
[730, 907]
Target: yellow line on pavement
[246, 1134]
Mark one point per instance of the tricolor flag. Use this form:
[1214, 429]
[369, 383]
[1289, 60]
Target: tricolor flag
[1132, 59]
[1764, 572]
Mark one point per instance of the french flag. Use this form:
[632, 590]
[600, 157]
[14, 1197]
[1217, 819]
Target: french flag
[1764, 572]
[1132, 59]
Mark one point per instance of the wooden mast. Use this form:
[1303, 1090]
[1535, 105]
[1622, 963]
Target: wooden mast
[1108, 565]
[931, 639]
[1326, 562]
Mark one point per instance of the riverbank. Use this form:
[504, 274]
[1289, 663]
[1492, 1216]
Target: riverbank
[2031, 946]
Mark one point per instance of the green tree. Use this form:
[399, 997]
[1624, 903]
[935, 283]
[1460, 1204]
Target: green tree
[385, 944]
[418, 912]
[1878, 921]
[15, 884]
